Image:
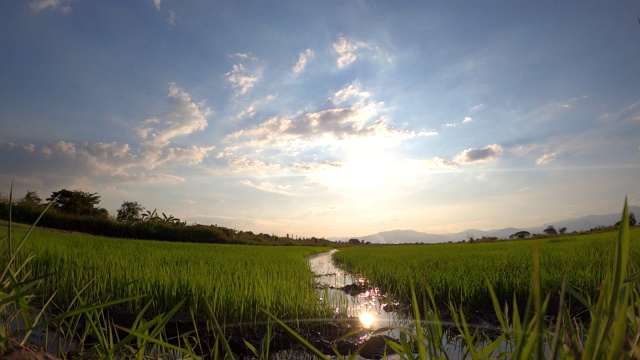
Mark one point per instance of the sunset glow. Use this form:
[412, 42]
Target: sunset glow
[330, 121]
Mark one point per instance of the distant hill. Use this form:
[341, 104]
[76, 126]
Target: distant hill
[410, 236]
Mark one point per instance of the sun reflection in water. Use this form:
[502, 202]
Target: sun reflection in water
[367, 319]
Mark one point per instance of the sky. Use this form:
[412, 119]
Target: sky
[326, 118]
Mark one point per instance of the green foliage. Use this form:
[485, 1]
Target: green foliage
[170, 230]
[77, 202]
[550, 230]
[130, 211]
[32, 197]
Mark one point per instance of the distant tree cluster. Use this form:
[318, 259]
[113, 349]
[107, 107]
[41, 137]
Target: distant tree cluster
[76, 210]
[520, 235]
[74, 202]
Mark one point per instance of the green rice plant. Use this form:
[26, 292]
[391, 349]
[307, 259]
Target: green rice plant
[611, 332]
[458, 272]
[237, 284]
[19, 286]
[234, 279]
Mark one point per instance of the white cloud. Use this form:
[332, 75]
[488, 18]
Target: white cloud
[156, 3]
[106, 150]
[283, 142]
[185, 117]
[318, 166]
[302, 61]
[238, 163]
[61, 5]
[250, 111]
[471, 155]
[29, 148]
[241, 78]
[192, 155]
[172, 18]
[242, 56]
[346, 52]
[465, 120]
[426, 133]
[630, 112]
[267, 186]
[118, 161]
[349, 92]
[339, 123]
[65, 148]
[546, 158]
[553, 110]
[153, 178]
[108, 158]
[475, 108]
[439, 163]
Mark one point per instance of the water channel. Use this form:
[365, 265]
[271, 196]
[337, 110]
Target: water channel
[375, 310]
[344, 291]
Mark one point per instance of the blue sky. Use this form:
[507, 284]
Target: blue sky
[326, 118]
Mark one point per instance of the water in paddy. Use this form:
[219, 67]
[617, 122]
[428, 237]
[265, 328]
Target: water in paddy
[375, 309]
[364, 302]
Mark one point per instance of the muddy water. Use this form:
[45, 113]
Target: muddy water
[359, 300]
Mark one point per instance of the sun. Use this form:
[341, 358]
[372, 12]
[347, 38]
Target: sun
[366, 166]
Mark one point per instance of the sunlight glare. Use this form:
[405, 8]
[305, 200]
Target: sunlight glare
[367, 319]
[368, 165]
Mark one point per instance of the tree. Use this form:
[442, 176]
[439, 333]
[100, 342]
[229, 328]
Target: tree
[130, 211]
[77, 202]
[151, 215]
[632, 220]
[550, 230]
[520, 235]
[174, 220]
[31, 197]
[563, 230]
[470, 238]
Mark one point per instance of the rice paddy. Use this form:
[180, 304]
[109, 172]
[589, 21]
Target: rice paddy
[234, 284]
[236, 281]
[457, 272]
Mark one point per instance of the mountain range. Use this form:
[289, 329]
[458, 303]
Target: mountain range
[410, 236]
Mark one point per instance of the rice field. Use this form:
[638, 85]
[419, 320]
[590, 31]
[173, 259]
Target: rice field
[235, 280]
[457, 272]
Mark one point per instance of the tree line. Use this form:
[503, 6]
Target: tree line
[76, 210]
